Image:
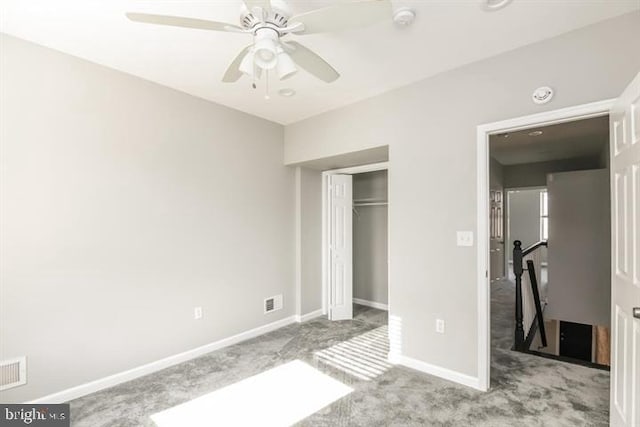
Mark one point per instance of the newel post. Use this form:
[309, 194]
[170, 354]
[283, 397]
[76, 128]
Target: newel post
[517, 270]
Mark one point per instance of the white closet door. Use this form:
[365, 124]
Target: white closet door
[625, 260]
[340, 247]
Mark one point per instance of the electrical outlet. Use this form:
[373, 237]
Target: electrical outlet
[197, 313]
[465, 238]
[440, 326]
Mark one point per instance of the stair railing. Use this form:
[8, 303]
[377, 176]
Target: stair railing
[525, 304]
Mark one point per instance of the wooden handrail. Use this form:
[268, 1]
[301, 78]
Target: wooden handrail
[533, 247]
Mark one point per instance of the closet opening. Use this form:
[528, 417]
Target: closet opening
[355, 244]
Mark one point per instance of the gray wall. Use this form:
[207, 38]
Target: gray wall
[496, 174]
[124, 205]
[535, 174]
[524, 218]
[579, 247]
[430, 127]
[370, 243]
[311, 239]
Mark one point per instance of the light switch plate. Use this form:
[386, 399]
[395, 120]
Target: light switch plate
[465, 238]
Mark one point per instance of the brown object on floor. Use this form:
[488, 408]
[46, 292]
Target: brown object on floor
[603, 345]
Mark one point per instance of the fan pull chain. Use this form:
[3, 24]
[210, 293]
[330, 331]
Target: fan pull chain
[255, 76]
[266, 85]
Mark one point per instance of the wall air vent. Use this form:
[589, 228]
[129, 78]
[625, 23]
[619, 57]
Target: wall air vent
[13, 372]
[273, 303]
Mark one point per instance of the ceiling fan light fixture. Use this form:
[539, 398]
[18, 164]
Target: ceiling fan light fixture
[266, 49]
[285, 66]
[247, 64]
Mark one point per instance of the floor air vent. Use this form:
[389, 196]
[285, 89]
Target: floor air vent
[13, 372]
[273, 304]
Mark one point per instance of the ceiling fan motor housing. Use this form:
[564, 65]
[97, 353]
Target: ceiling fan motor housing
[277, 16]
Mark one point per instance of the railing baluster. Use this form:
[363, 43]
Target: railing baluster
[517, 270]
[536, 300]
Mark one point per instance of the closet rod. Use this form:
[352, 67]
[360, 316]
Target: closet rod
[371, 204]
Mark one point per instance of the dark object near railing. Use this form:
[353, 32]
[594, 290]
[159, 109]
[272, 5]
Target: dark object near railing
[536, 299]
[518, 254]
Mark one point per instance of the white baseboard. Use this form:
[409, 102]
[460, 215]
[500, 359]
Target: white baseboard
[112, 380]
[308, 316]
[372, 304]
[437, 371]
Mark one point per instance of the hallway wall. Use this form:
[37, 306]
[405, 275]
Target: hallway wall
[430, 127]
[580, 247]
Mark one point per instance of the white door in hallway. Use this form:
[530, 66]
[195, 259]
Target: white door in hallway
[625, 259]
[496, 229]
[340, 247]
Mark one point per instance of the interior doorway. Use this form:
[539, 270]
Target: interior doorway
[355, 240]
[624, 193]
[504, 130]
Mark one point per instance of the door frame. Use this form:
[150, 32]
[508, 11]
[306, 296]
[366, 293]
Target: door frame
[326, 208]
[568, 114]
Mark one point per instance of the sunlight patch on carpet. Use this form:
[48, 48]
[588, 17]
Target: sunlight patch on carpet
[363, 357]
[278, 397]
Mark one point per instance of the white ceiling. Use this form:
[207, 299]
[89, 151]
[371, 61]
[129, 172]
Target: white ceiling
[446, 34]
[576, 139]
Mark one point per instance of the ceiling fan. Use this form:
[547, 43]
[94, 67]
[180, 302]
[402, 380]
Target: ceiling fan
[269, 21]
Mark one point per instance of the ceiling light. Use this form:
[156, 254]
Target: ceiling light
[535, 133]
[491, 5]
[247, 65]
[287, 92]
[285, 66]
[266, 48]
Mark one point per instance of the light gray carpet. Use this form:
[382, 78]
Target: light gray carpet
[526, 390]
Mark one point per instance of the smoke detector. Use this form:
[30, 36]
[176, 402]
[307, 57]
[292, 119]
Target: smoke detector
[542, 95]
[491, 5]
[404, 16]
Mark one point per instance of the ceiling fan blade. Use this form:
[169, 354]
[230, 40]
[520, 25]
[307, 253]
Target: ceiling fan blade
[310, 61]
[344, 16]
[179, 21]
[233, 73]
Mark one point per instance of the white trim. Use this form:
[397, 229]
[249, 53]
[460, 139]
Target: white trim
[309, 316]
[372, 304]
[325, 246]
[562, 115]
[298, 240]
[437, 371]
[359, 169]
[325, 222]
[131, 374]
